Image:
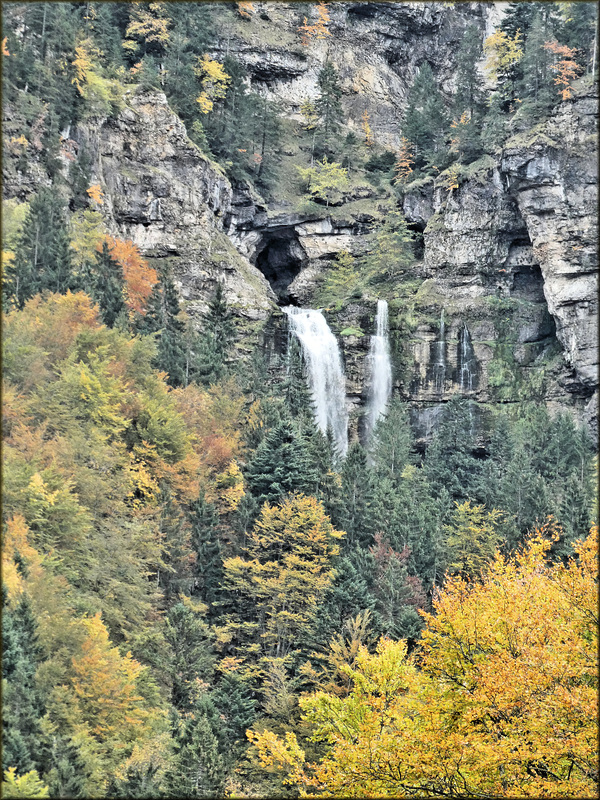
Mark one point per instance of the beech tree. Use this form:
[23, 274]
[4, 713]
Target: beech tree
[493, 709]
[286, 572]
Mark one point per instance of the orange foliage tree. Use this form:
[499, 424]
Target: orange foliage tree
[139, 277]
[245, 9]
[566, 68]
[319, 30]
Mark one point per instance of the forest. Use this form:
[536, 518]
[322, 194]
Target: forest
[202, 595]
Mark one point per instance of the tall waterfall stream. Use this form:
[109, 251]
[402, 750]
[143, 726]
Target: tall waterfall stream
[325, 372]
[379, 369]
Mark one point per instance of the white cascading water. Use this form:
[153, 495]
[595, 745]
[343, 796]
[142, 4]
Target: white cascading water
[379, 369]
[324, 370]
[467, 362]
[439, 357]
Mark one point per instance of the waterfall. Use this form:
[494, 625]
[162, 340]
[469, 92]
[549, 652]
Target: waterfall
[325, 372]
[467, 363]
[379, 369]
[439, 357]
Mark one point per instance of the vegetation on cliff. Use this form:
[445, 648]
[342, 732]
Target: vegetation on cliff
[199, 596]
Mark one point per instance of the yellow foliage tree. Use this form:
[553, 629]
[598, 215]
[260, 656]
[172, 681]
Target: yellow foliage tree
[226, 490]
[26, 786]
[103, 706]
[148, 24]
[502, 52]
[404, 161]
[214, 82]
[286, 573]
[503, 703]
[87, 233]
[95, 193]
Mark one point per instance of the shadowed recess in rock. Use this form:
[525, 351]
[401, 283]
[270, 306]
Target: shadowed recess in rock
[280, 259]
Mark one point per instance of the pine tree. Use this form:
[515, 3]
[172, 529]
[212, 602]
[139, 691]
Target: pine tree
[43, 255]
[329, 106]
[23, 706]
[425, 121]
[208, 569]
[107, 288]
[280, 465]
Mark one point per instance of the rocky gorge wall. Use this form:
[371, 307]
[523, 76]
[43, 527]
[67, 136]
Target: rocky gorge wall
[508, 258]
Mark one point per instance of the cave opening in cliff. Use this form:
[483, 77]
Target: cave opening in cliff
[280, 257]
[418, 244]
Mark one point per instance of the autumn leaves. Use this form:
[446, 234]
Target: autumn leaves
[499, 701]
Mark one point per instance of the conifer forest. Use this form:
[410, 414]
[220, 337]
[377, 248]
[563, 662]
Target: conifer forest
[300, 399]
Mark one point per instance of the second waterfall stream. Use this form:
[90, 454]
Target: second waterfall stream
[324, 370]
[379, 370]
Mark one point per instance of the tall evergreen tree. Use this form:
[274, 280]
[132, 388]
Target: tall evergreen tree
[107, 286]
[449, 461]
[468, 106]
[162, 317]
[22, 704]
[355, 515]
[329, 107]
[43, 256]
[215, 341]
[190, 654]
[281, 464]
[425, 122]
[206, 543]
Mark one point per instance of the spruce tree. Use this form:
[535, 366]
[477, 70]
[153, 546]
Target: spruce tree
[43, 255]
[468, 107]
[392, 442]
[449, 461]
[281, 464]
[215, 341]
[425, 122]
[107, 288]
[174, 572]
[198, 769]
[329, 106]
[206, 544]
[190, 654]
[162, 317]
[355, 515]
[23, 706]
[236, 705]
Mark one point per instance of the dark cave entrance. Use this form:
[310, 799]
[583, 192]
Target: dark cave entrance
[280, 257]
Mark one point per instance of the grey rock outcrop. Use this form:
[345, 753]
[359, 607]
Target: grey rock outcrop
[163, 194]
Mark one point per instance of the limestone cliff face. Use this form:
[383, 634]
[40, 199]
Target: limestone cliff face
[170, 200]
[511, 253]
[375, 47]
